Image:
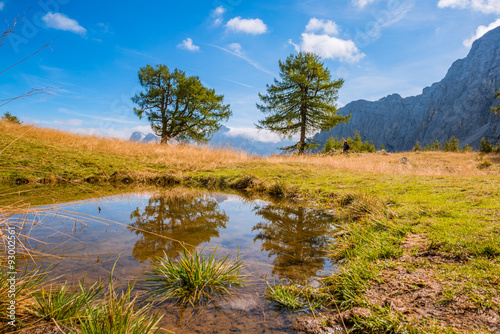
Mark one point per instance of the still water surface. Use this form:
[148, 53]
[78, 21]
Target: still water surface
[275, 242]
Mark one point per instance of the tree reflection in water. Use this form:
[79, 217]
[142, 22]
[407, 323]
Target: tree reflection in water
[188, 217]
[297, 237]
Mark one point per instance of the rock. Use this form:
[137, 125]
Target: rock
[458, 105]
[311, 325]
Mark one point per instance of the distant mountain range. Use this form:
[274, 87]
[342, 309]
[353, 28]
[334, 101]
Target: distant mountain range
[222, 138]
[458, 105]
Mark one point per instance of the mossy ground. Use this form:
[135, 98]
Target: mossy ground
[430, 242]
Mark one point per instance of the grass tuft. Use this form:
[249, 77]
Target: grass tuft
[195, 279]
[118, 314]
[61, 304]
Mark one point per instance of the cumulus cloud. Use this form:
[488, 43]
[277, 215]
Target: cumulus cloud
[362, 3]
[249, 26]
[328, 27]
[480, 31]
[187, 44]
[485, 6]
[1, 5]
[330, 47]
[217, 15]
[70, 122]
[62, 22]
[325, 45]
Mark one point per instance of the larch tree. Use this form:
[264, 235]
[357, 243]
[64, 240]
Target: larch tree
[178, 106]
[302, 102]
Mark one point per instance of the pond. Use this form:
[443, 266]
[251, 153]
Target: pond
[275, 242]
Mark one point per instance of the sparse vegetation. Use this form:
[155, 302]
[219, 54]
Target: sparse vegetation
[295, 297]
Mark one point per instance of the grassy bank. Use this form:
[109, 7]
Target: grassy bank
[418, 238]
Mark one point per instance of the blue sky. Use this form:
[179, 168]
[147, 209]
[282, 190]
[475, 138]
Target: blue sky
[379, 47]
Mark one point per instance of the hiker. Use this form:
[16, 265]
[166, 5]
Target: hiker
[346, 147]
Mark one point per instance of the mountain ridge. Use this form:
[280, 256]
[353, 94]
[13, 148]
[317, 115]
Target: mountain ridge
[458, 105]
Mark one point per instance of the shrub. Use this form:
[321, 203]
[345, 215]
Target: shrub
[417, 147]
[485, 146]
[451, 145]
[435, 146]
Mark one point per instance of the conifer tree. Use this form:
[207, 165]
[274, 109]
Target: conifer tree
[302, 102]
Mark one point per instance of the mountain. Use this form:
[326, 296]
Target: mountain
[223, 138]
[458, 105]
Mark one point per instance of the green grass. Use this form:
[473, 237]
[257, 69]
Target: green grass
[194, 279]
[26, 282]
[118, 314]
[294, 297]
[60, 304]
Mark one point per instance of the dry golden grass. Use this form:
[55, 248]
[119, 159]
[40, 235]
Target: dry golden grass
[423, 163]
[186, 157]
[192, 158]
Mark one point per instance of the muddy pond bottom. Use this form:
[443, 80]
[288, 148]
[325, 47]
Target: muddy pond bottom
[276, 242]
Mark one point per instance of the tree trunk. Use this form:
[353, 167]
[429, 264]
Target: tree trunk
[302, 142]
[164, 140]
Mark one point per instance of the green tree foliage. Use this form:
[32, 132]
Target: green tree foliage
[356, 143]
[435, 146]
[496, 109]
[451, 145]
[332, 144]
[485, 146]
[179, 107]
[417, 147]
[7, 117]
[302, 102]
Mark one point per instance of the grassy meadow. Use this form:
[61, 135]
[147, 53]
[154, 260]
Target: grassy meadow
[418, 239]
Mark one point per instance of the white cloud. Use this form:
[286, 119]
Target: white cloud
[62, 22]
[328, 27]
[480, 31]
[252, 132]
[362, 3]
[330, 47]
[236, 48]
[1, 5]
[217, 15]
[187, 44]
[219, 11]
[485, 6]
[249, 26]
